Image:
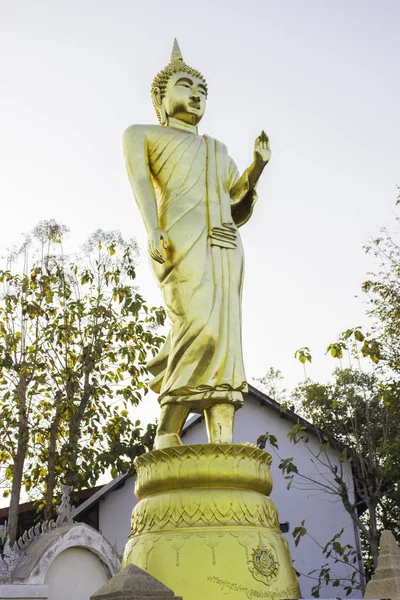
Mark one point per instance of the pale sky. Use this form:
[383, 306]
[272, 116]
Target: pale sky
[321, 77]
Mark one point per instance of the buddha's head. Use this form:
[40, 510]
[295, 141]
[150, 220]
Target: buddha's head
[179, 91]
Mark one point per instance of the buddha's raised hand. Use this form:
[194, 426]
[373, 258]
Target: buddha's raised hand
[262, 151]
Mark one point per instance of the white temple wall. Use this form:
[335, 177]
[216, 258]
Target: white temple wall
[75, 574]
[115, 512]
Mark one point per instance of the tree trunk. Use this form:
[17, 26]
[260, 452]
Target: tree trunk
[374, 536]
[72, 477]
[19, 460]
[51, 474]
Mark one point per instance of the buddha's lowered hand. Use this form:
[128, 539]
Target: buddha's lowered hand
[156, 236]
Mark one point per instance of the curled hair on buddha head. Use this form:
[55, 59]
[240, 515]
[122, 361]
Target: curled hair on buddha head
[161, 79]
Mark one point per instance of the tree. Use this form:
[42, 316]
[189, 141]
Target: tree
[74, 339]
[272, 385]
[357, 413]
[382, 287]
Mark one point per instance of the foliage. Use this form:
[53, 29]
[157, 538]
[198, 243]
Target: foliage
[271, 384]
[359, 417]
[345, 554]
[303, 355]
[356, 415]
[321, 459]
[383, 291]
[74, 339]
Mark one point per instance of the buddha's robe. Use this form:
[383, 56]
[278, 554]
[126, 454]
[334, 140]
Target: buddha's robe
[200, 208]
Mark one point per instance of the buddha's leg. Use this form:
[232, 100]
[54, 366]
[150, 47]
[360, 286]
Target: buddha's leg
[172, 419]
[219, 423]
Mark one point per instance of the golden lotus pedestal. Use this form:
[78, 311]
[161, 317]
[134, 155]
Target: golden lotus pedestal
[205, 526]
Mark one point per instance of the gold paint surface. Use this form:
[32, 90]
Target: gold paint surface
[223, 466]
[204, 524]
[193, 201]
[203, 536]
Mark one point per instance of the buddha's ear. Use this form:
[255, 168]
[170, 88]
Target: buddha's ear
[158, 102]
[156, 96]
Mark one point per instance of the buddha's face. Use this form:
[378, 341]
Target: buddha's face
[185, 98]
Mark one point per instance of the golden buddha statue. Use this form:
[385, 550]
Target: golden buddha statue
[193, 201]
[204, 524]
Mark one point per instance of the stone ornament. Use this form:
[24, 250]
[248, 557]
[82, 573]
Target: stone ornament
[385, 582]
[12, 556]
[132, 583]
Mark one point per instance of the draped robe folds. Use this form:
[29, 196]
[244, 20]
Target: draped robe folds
[200, 208]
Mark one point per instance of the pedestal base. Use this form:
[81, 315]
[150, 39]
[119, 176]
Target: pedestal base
[205, 526]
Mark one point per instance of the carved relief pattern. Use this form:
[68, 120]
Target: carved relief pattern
[219, 495]
[264, 564]
[177, 542]
[245, 539]
[225, 466]
[204, 508]
[212, 540]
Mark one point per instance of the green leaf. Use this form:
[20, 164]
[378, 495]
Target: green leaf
[359, 336]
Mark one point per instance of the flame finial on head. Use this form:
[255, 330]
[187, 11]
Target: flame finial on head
[176, 53]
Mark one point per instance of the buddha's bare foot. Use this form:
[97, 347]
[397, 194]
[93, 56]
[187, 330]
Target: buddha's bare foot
[167, 440]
